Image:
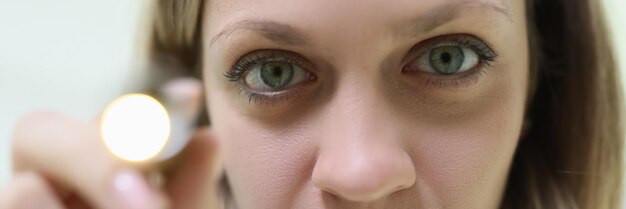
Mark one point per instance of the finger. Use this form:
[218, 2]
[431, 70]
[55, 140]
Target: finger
[70, 153]
[183, 96]
[29, 191]
[195, 182]
[74, 201]
[183, 99]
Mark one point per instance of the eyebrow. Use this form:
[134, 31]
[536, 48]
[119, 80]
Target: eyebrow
[274, 31]
[446, 13]
[286, 34]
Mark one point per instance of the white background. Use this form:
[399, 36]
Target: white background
[66, 55]
[74, 56]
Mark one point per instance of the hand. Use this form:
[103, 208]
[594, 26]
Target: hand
[60, 162]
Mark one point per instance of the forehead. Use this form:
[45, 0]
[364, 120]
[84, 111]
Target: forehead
[339, 15]
[340, 10]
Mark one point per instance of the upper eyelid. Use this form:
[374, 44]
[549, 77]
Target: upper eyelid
[236, 71]
[428, 44]
[462, 39]
[276, 55]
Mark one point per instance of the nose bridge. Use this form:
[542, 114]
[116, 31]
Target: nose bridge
[360, 156]
[356, 115]
[357, 106]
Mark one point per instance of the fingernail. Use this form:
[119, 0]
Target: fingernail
[184, 96]
[134, 191]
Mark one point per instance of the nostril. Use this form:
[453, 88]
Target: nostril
[363, 173]
[329, 193]
[359, 188]
[325, 188]
[399, 188]
[364, 179]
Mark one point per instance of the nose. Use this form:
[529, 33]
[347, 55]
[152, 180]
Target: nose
[363, 173]
[361, 158]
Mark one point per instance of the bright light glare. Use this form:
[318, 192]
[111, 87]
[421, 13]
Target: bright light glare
[135, 127]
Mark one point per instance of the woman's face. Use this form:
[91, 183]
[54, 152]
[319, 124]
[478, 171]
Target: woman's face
[366, 104]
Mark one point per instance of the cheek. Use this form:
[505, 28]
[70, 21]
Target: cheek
[461, 164]
[464, 157]
[266, 167]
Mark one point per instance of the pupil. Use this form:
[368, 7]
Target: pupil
[445, 57]
[276, 75]
[276, 71]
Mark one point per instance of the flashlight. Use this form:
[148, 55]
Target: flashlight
[139, 128]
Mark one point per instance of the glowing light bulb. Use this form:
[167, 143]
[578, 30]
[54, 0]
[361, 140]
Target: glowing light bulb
[135, 127]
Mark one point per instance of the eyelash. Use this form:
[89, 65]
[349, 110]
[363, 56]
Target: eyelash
[241, 67]
[254, 58]
[486, 57]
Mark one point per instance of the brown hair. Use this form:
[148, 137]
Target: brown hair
[570, 155]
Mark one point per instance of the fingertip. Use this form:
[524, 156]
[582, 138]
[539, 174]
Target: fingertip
[133, 191]
[204, 138]
[25, 187]
[183, 96]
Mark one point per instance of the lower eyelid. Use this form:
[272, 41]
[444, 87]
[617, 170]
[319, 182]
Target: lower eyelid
[272, 99]
[459, 81]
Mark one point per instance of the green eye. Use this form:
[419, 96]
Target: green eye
[446, 59]
[274, 76]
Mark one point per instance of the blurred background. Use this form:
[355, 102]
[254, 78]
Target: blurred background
[67, 55]
[75, 55]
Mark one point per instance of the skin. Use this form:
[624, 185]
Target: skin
[62, 163]
[363, 134]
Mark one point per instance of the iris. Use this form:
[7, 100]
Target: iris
[277, 74]
[447, 59]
